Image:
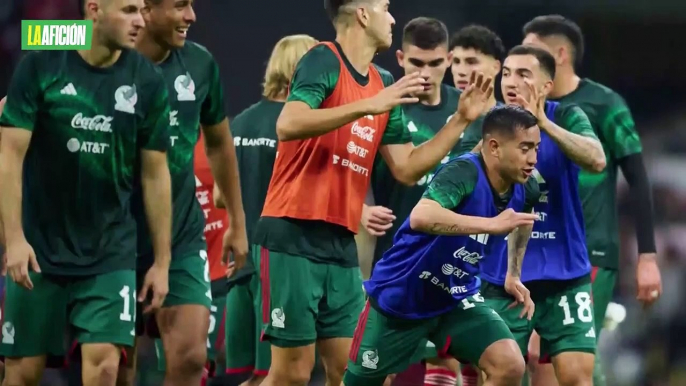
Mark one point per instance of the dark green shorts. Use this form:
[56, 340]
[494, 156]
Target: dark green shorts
[96, 309]
[189, 283]
[563, 320]
[385, 345]
[305, 301]
[603, 285]
[245, 351]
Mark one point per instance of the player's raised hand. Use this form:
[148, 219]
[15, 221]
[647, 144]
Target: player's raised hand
[20, 258]
[648, 279]
[534, 102]
[156, 281]
[476, 97]
[508, 220]
[514, 287]
[398, 93]
[235, 247]
[377, 219]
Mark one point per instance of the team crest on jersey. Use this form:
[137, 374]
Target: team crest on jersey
[370, 359]
[125, 99]
[278, 318]
[185, 87]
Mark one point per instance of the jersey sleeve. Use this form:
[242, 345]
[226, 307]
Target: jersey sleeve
[452, 184]
[315, 77]
[23, 95]
[154, 131]
[575, 120]
[212, 109]
[532, 193]
[618, 129]
[396, 129]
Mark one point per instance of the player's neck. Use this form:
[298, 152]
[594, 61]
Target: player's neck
[497, 182]
[357, 48]
[433, 99]
[100, 56]
[566, 81]
[147, 46]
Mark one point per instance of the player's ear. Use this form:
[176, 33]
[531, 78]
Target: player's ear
[493, 147]
[547, 87]
[400, 55]
[561, 55]
[497, 66]
[362, 16]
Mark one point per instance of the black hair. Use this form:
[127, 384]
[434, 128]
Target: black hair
[82, 8]
[558, 25]
[426, 33]
[480, 39]
[507, 119]
[545, 59]
[333, 7]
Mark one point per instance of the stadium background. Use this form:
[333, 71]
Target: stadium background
[631, 46]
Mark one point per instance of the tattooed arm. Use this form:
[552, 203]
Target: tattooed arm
[430, 217]
[577, 139]
[516, 246]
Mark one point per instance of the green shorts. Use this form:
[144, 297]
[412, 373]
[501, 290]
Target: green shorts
[245, 351]
[95, 309]
[603, 285]
[305, 301]
[189, 283]
[564, 320]
[385, 345]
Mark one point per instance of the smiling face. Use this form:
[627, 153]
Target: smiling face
[168, 21]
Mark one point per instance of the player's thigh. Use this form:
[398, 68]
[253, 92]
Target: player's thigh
[240, 328]
[603, 288]
[104, 308]
[566, 322]
[189, 281]
[291, 287]
[521, 328]
[343, 301]
[34, 321]
[383, 345]
[468, 330]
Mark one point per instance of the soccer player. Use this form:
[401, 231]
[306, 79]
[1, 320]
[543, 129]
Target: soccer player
[424, 50]
[254, 133]
[475, 48]
[336, 118]
[426, 286]
[611, 119]
[81, 128]
[557, 269]
[196, 99]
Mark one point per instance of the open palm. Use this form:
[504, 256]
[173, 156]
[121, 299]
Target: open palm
[475, 99]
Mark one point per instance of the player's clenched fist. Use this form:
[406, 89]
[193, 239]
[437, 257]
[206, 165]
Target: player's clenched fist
[508, 220]
[396, 94]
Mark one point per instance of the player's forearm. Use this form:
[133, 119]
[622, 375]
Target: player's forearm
[11, 168]
[156, 184]
[516, 248]
[586, 152]
[299, 121]
[221, 154]
[435, 220]
[426, 156]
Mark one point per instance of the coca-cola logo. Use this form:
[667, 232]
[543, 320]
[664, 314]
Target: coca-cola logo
[97, 123]
[364, 132]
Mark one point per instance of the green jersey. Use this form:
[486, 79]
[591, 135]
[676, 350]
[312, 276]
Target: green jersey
[614, 126]
[254, 135]
[459, 181]
[315, 79]
[88, 126]
[195, 97]
[423, 122]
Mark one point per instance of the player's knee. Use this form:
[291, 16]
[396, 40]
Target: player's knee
[574, 369]
[187, 359]
[503, 363]
[100, 361]
[291, 366]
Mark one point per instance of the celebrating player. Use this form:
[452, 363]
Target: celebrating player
[424, 50]
[425, 286]
[195, 96]
[254, 133]
[336, 118]
[76, 124]
[557, 268]
[612, 119]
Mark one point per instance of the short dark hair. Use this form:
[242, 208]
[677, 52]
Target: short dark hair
[479, 38]
[506, 119]
[333, 7]
[558, 25]
[545, 59]
[426, 33]
[82, 8]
